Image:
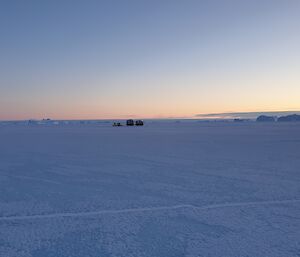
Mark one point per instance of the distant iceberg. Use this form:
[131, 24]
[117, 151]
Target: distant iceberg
[288, 118]
[265, 118]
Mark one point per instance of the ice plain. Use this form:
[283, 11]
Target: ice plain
[168, 189]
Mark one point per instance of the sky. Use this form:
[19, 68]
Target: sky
[245, 115]
[69, 59]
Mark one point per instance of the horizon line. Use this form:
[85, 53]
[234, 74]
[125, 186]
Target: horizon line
[203, 116]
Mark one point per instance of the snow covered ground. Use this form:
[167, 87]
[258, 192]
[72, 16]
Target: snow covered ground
[167, 189]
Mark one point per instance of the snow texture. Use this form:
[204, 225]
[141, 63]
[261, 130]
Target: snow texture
[168, 189]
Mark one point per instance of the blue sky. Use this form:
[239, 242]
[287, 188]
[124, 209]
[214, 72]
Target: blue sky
[149, 59]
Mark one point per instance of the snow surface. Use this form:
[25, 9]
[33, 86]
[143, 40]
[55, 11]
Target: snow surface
[185, 188]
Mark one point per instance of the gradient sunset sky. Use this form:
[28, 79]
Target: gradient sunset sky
[150, 59]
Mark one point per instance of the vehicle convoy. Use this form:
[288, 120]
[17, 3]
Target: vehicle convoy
[129, 123]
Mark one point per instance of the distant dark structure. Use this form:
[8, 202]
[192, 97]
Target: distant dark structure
[264, 118]
[139, 123]
[31, 122]
[136, 123]
[240, 120]
[289, 118]
[117, 124]
[130, 123]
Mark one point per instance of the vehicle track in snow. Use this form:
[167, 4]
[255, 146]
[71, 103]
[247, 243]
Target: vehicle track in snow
[145, 209]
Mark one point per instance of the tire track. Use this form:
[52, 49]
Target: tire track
[146, 209]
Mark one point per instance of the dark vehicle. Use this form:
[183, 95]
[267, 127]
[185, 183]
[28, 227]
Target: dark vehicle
[130, 123]
[139, 123]
[117, 124]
